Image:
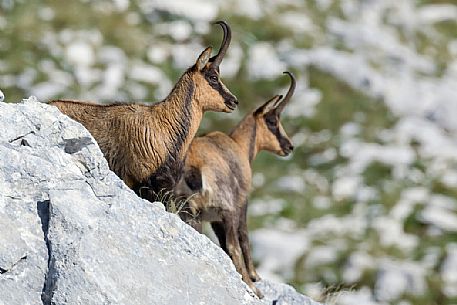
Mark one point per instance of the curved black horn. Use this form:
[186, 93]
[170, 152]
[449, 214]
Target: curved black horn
[289, 93]
[217, 59]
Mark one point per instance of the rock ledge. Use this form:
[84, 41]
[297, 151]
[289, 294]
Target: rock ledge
[71, 232]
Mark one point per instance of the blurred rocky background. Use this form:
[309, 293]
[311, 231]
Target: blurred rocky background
[365, 210]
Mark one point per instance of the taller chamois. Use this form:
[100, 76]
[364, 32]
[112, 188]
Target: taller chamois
[217, 178]
[146, 145]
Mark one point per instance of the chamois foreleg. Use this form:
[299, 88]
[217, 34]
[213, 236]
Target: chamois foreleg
[231, 225]
[188, 215]
[197, 225]
[218, 228]
[244, 242]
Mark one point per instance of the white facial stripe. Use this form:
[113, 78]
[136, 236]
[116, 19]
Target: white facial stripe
[224, 87]
[282, 132]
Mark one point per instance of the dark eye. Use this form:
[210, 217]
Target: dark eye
[271, 121]
[213, 79]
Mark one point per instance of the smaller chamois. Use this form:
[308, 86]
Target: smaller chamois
[217, 178]
[146, 145]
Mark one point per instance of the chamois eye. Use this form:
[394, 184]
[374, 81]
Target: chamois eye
[213, 78]
[271, 121]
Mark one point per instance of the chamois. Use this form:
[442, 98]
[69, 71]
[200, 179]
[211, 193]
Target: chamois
[217, 178]
[146, 145]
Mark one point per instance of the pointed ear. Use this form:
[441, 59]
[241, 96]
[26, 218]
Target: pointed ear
[203, 59]
[269, 105]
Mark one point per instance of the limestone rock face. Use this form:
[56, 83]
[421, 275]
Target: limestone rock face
[71, 232]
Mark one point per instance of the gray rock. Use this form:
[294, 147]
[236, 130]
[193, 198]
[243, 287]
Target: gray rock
[282, 294]
[71, 232]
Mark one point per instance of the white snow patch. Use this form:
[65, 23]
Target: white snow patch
[265, 207]
[366, 193]
[113, 79]
[303, 103]
[298, 22]
[121, 5]
[158, 54]
[449, 271]
[47, 90]
[203, 10]
[258, 180]
[362, 154]
[396, 278]
[346, 187]
[232, 61]
[113, 55]
[449, 178]
[264, 62]
[357, 263]
[249, 8]
[185, 55]
[323, 4]
[321, 255]
[321, 202]
[80, 53]
[314, 178]
[278, 251]
[391, 233]
[356, 297]
[146, 73]
[330, 225]
[350, 130]
[430, 14]
[442, 218]
[291, 183]
[46, 13]
[416, 194]
[179, 30]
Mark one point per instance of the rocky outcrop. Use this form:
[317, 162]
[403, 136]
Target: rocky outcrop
[71, 232]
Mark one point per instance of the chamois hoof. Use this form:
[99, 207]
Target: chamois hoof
[254, 277]
[258, 293]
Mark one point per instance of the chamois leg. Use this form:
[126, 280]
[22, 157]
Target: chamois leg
[191, 219]
[194, 222]
[245, 247]
[197, 225]
[218, 229]
[234, 250]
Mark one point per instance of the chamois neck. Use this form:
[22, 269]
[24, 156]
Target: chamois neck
[180, 103]
[245, 135]
[181, 115]
[182, 92]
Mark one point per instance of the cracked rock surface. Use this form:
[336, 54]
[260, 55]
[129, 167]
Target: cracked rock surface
[72, 233]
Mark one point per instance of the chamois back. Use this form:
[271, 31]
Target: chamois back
[145, 145]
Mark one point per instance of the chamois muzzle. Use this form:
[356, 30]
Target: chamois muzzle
[289, 94]
[231, 103]
[217, 59]
[287, 148]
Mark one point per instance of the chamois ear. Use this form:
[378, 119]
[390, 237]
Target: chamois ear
[203, 59]
[269, 105]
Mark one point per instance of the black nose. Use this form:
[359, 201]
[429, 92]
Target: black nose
[231, 103]
[288, 148]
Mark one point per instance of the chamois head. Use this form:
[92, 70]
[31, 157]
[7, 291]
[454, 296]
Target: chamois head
[210, 92]
[271, 134]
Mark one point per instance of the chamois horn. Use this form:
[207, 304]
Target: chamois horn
[217, 59]
[289, 94]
